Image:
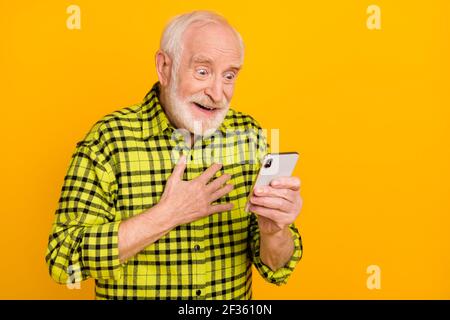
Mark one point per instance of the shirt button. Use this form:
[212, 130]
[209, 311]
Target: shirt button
[198, 292]
[196, 247]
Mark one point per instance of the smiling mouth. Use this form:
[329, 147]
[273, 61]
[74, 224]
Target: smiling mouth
[203, 107]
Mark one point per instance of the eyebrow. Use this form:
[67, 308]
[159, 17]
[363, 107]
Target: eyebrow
[204, 59]
[201, 59]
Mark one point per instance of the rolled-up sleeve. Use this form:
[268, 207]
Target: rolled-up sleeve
[281, 275]
[83, 242]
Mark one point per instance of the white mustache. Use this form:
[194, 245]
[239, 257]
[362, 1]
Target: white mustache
[206, 101]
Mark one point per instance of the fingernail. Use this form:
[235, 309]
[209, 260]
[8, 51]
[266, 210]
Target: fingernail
[259, 190]
[275, 182]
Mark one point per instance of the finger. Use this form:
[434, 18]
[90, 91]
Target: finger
[276, 203]
[217, 183]
[268, 191]
[221, 192]
[271, 214]
[292, 183]
[220, 207]
[209, 173]
[179, 168]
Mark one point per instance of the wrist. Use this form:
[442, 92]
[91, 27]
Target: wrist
[281, 233]
[160, 215]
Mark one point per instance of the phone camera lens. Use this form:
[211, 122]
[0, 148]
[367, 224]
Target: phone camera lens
[268, 163]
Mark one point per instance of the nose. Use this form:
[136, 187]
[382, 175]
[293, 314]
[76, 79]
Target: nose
[215, 90]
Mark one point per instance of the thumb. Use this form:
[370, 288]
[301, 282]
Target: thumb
[179, 168]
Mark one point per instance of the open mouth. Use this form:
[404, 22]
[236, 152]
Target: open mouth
[203, 107]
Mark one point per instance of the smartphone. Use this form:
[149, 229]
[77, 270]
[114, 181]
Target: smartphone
[274, 165]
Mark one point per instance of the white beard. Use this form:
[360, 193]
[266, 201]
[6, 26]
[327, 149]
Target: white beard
[181, 111]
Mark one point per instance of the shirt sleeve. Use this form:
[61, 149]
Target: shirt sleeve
[83, 242]
[281, 275]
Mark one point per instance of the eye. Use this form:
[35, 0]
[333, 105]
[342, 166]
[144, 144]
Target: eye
[202, 72]
[230, 76]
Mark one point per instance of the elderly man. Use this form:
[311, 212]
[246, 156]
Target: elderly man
[148, 214]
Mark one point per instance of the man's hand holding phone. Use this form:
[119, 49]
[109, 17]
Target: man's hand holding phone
[275, 195]
[277, 205]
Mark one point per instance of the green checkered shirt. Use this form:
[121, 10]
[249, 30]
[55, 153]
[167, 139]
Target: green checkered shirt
[119, 170]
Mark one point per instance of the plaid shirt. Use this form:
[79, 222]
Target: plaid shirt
[119, 170]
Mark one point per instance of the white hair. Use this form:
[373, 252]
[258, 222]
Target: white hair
[171, 39]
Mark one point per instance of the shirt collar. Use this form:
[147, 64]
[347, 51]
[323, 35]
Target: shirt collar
[155, 121]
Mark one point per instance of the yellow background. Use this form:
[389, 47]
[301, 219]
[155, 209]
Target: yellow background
[368, 110]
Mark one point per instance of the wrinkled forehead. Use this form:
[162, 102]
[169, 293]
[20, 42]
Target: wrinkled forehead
[211, 41]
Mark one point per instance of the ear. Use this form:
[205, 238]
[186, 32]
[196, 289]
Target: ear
[163, 67]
